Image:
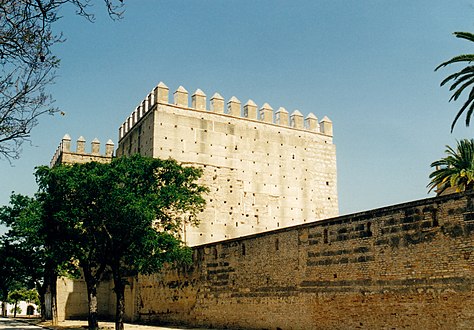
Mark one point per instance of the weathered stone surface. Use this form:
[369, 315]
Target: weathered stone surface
[308, 277]
[64, 154]
[261, 175]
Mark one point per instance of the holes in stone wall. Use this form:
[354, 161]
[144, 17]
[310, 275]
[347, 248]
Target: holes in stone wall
[325, 236]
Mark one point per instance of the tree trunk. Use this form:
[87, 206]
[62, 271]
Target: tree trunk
[14, 308]
[120, 295]
[41, 292]
[4, 303]
[4, 309]
[54, 305]
[120, 292]
[91, 284]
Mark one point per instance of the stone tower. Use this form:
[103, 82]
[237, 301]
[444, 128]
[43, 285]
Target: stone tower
[265, 170]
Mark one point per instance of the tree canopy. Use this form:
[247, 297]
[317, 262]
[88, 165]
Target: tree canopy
[27, 64]
[126, 215]
[462, 80]
[36, 261]
[456, 170]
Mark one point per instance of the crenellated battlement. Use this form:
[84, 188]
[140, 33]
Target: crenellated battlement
[249, 111]
[265, 168]
[64, 154]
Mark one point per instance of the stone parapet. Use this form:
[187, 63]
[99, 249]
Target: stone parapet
[160, 95]
[64, 154]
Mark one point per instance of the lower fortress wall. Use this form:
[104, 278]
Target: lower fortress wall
[408, 266]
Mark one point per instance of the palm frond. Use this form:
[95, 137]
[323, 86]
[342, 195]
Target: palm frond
[460, 89]
[464, 35]
[461, 79]
[466, 104]
[454, 76]
[456, 59]
[469, 113]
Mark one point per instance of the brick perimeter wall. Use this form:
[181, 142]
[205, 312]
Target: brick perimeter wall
[408, 266]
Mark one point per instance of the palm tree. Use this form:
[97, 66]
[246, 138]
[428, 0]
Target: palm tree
[456, 170]
[461, 80]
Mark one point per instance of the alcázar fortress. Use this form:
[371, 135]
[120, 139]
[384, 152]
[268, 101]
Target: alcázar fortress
[271, 251]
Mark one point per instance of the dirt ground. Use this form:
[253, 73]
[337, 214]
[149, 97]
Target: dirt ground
[82, 325]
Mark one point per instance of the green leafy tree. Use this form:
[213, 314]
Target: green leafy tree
[144, 207]
[22, 221]
[16, 260]
[37, 248]
[30, 296]
[461, 81]
[69, 193]
[11, 272]
[15, 297]
[126, 215]
[456, 170]
[15, 310]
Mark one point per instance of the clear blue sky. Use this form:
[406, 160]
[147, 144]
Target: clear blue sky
[367, 65]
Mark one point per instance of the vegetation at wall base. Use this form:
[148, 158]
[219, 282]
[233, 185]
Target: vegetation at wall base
[456, 170]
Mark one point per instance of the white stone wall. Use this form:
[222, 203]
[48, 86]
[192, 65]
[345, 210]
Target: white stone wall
[23, 305]
[262, 175]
